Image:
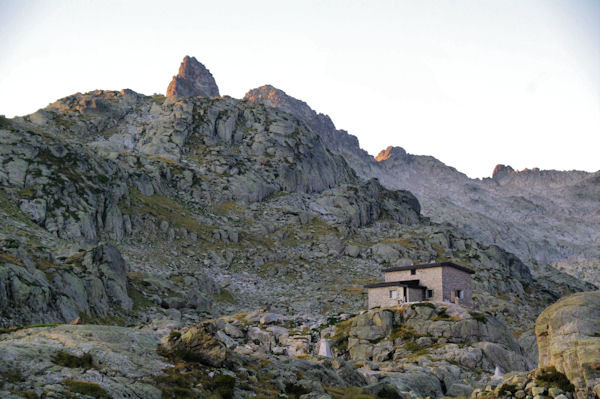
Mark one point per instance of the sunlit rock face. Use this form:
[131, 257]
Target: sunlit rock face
[389, 152]
[567, 336]
[193, 80]
[502, 170]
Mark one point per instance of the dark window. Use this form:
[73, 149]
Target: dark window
[429, 294]
[413, 271]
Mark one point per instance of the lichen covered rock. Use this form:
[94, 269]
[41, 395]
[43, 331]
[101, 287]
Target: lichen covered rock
[568, 339]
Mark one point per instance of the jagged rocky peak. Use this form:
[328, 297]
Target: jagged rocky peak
[501, 171]
[390, 152]
[193, 80]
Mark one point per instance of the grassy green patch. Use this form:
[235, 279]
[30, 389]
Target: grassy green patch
[26, 394]
[442, 315]
[549, 377]
[415, 348]
[404, 333]
[10, 243]
[4, 122]
[66, 359]
[13, 329]
[227, 207]
[140, 301]
[223, 385]
[224, 296]
[158, 98]
[423, 304]
[165, 208]
[76, 259]
[319, 227]
[294, 390]
[176, 383]
[10, 209]
[86, 388]
[180, 382]
[45, 265]
[162, 159]
[348, 393]
[480, 317]
[331, 320]
[110, 320]
[27, 193]
[507, 388]
[7, 258]
[405, 242]
[12, 376]
[440, 252]
[339, 340]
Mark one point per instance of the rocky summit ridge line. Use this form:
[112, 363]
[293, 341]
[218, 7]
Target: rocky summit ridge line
[545, 217]
[202, 246]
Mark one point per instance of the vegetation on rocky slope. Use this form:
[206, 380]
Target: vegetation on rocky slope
[183, 216]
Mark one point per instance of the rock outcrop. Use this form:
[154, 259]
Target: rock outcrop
[501, 171]
[193, 80]
[337, 141]
[42, 280]
[389, 152]
[540, 383]
[67, 360]
[568, 335]
[445, 332]
[521, 211]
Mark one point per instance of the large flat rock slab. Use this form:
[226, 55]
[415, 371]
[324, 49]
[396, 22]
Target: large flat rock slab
[123, 360]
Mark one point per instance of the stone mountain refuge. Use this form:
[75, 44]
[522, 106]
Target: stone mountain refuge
[437, 282]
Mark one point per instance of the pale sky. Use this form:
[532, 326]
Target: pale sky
[472, 82]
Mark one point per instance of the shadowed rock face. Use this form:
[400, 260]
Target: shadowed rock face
[567, 335]
[193, 80]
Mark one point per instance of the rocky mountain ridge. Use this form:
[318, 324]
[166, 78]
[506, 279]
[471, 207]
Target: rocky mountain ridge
[545, 217]
[229, 232]
[337, 141]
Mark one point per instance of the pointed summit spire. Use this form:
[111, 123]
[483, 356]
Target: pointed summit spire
[193, 80]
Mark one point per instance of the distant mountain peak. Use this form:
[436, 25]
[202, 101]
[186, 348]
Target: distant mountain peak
[390, 152]
[502, 171]
[193, 80]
